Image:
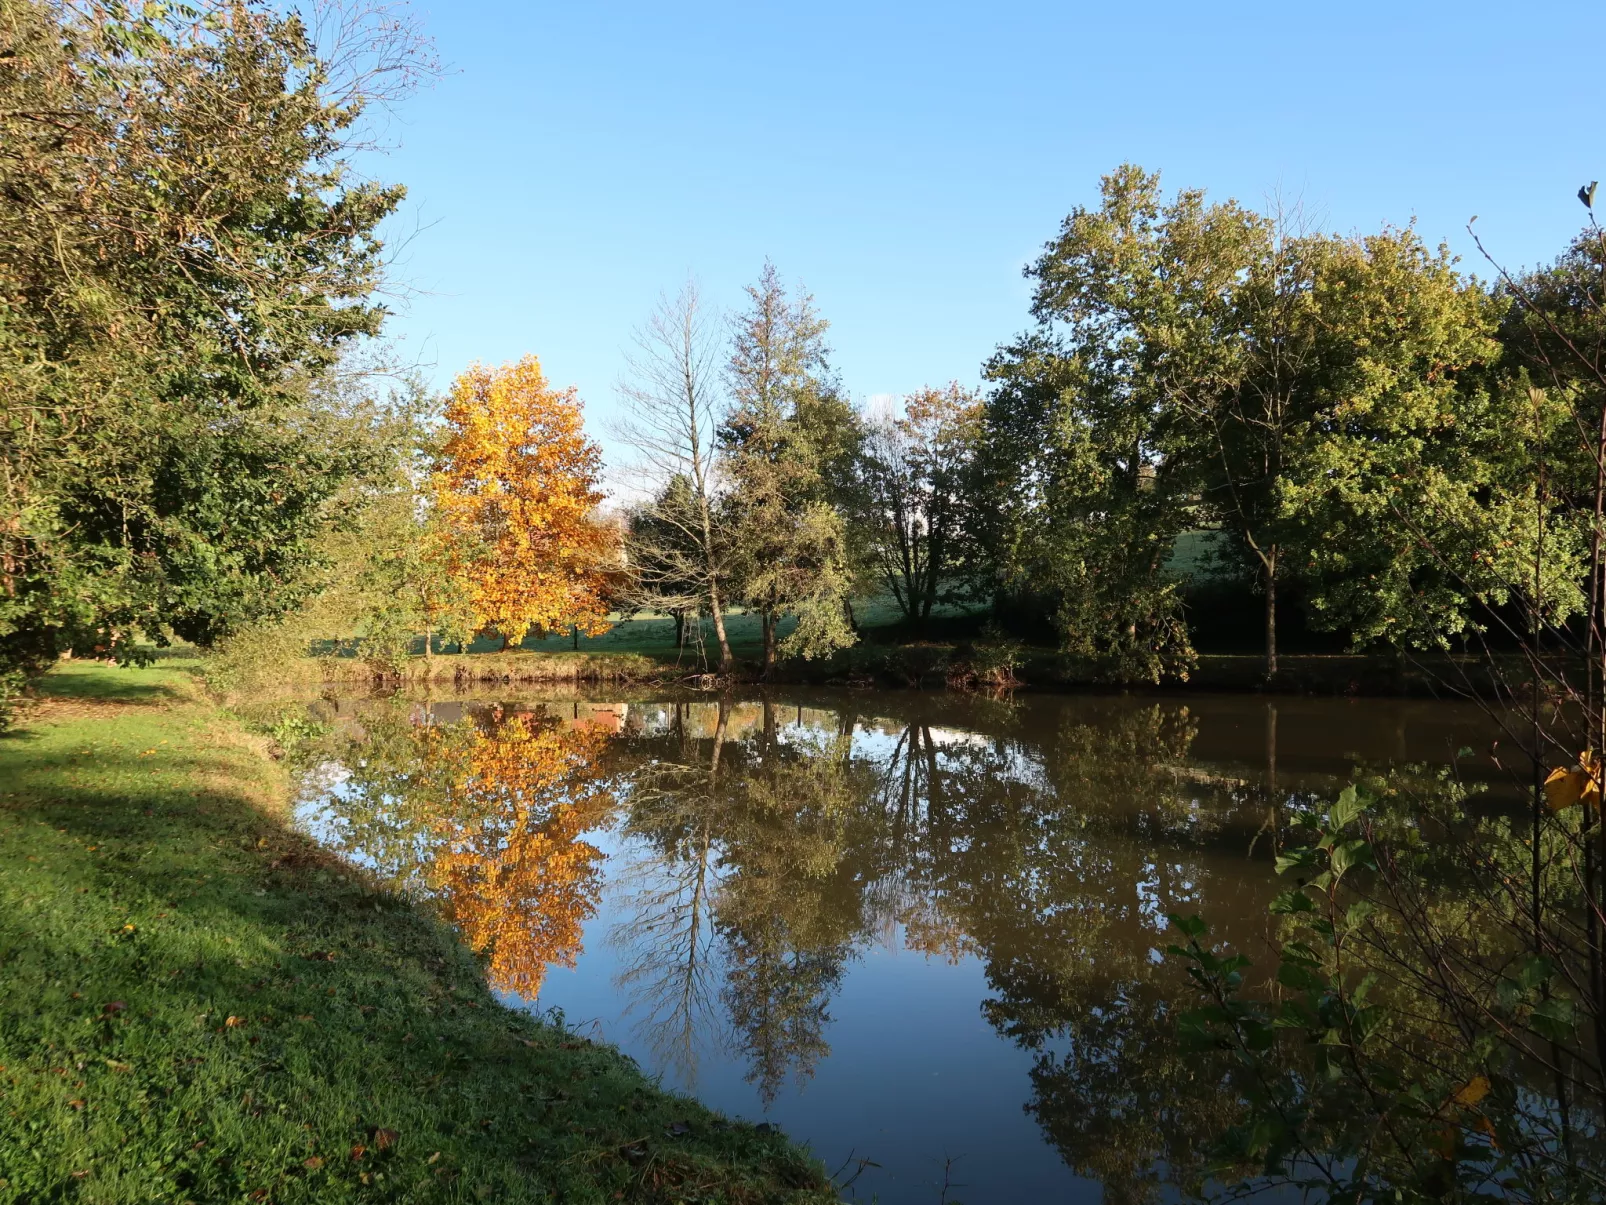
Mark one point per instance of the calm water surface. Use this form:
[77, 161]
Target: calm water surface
[924, 930]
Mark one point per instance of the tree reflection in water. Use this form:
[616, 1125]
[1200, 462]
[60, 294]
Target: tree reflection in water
[763, 848]
[485, 817]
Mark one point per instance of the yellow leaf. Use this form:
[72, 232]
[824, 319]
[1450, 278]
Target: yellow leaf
[1570, 786]
[1474, 1090]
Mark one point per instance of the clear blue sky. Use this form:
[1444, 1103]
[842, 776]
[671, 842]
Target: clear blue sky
[905, 160]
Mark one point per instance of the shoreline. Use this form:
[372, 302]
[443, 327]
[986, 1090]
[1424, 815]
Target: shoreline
[204, 1005]
[935, 667]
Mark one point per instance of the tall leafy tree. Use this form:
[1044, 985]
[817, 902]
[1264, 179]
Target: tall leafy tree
[1336, 406]
[1090, 467]
[184, 251]
[1417, 497]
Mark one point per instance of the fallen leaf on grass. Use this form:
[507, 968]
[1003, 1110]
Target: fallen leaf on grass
[75, 1104]
[358, 1151]
[312, 1164]
[116, 1006]
[385, 1139]
[234, 1022]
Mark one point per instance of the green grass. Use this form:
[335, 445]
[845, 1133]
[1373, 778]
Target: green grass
[196, 1005]
[654, 635]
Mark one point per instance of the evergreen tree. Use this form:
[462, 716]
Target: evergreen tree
[785, 445]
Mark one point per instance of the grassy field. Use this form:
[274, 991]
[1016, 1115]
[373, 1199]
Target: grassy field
[654, 635]
[199, 1006]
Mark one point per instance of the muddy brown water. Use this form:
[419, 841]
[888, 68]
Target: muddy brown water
[923, 933]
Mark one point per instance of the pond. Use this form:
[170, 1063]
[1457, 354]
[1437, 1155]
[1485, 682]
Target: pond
[923, 933]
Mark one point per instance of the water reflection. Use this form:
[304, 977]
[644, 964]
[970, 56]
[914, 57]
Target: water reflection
[762, 852]
[484, 816]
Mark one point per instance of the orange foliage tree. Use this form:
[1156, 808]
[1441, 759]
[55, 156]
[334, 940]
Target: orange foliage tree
[512, 872]
[516, 492]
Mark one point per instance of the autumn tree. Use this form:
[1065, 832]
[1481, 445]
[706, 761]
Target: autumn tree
[783, 443]
[918, 466]
[516, 493]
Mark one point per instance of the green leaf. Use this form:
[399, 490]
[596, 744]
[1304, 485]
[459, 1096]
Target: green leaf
[1191, 926]
[1292, 901]
[1295, 858]
[1300, 977]
[1554, 1019]
[1348, 807]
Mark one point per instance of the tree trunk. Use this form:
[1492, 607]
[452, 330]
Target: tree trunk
[680, 635]
[503, 649]
[718, 613]
[429, 657]
[767, 624]
[927, 598]
[576, 630]
[1271, 615]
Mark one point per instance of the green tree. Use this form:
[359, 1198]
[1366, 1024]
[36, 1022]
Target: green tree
[666, 569]
[918, 494]
[184, 252]
[784, 442]
[1090, 465]
[1418, 497]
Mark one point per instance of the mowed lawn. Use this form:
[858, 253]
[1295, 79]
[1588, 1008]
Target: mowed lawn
[196, 1005]
[654, 635]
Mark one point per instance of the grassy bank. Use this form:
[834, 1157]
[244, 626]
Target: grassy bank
[467, 669]
[199, 1006]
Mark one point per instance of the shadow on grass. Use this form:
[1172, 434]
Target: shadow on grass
[102, 683]
[200, 1004]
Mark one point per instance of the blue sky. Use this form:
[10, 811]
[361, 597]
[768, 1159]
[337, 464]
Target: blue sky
[905, 160]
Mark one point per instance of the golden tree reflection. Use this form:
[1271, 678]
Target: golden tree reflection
[485, 816]
[512, 871]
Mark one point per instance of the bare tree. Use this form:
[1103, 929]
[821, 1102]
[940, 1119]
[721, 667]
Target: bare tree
[672, 399]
